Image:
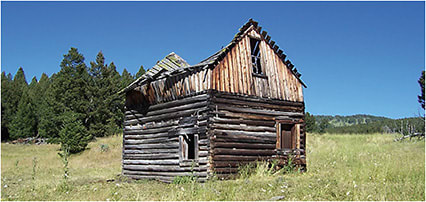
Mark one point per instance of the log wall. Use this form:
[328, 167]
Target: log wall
[151, 138]
[243, 129]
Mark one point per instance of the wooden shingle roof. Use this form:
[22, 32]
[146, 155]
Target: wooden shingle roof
[169, 63]
[172, 64]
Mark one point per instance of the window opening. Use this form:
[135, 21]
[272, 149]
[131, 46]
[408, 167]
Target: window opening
[188, 146]
[255, 56]
[288, 136]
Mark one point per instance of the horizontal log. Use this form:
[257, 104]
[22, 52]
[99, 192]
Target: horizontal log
[243, 145]
[151, 131]
[150, 151]
[153, 125]
[172, 174]
[174, 115]
[150, 136]
[228, 114]
[167, 110]
[151, 156]
[258, 111]
[148, 141]
[203, 153]
[166, 179]
[163, 168]
[242, 138]
[153, 146]
[182, 101]
[263, 105]
[245, 133]
[243, 127]
[244, 152]
[151, 162]
[243, 121]
[216, 94]
[239, 158]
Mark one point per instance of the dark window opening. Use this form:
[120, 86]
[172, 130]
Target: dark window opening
[288, 136]
[255, 56]
[188, 147]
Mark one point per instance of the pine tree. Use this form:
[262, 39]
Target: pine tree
[421, 97]
[24, 123]
[49, 121]
[19, 84]
[68, 92]
[73, 135]
[323, 125]
[126, 78]
[6, 111]
[70, 86]
[104, 90]
[115, 101]
[35, 97]
[310, 122]
[140, 72]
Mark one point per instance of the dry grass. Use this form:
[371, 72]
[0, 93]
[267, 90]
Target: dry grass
[340, 167]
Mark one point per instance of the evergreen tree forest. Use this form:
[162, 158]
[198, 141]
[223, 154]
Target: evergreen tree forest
[79, 99]
[327, 124]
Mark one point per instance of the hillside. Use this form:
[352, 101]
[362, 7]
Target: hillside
[338, 121]
[404, 125]
[340, 167]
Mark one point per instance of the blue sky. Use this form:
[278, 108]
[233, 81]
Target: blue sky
[355, 57]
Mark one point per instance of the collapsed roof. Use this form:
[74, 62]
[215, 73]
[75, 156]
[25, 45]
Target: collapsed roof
[173, 64]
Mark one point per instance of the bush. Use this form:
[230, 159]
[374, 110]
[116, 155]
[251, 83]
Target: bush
[73, 135]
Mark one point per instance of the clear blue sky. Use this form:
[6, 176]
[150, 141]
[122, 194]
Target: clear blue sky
[355, 57]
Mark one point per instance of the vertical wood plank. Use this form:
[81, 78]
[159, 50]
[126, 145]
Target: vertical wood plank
[222, 70]
[234, 68]
[230, 57]
[277, 72]
[297, 136]
[239, 67]
[244, 51]
[286, 82]
[248, 70]
[196, 82]
[278, 144]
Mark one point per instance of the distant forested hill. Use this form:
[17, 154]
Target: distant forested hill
[338, 121]
[362, 123]
[405, 126]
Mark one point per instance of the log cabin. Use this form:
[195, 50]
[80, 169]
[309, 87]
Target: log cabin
[242, 104]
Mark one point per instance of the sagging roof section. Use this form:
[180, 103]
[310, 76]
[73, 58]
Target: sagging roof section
[169, 63]
[172, 64]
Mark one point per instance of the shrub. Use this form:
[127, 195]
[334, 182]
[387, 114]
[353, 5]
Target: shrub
[73, 135]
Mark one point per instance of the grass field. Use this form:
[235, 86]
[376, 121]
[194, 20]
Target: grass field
[340, 167]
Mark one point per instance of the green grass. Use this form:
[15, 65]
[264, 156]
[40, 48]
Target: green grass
[340, 167]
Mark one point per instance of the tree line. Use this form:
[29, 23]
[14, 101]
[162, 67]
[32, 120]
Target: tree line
[364, 124]
[379, 125]
[73, 106]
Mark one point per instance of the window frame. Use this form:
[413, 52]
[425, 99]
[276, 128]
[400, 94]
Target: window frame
[183, 159]
[295, 130]
[257, 67]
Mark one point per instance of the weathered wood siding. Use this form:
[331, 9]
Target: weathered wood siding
[151, 142]
[243, 129]
[234, 73]
[175, 87]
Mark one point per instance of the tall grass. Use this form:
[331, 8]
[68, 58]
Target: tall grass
[339, 167]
